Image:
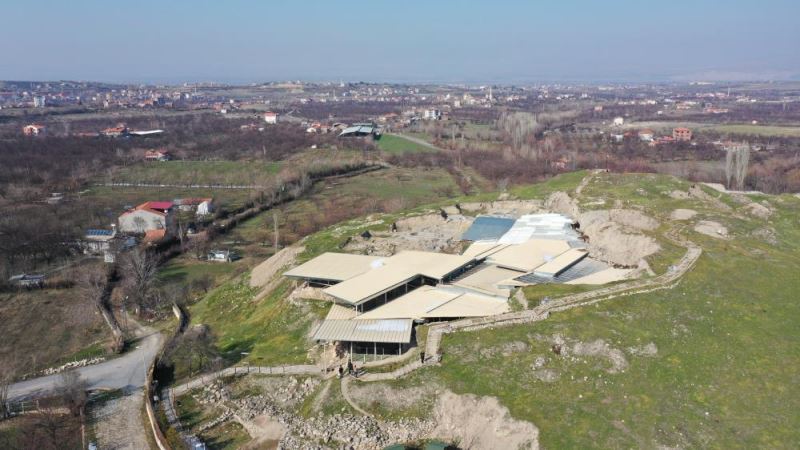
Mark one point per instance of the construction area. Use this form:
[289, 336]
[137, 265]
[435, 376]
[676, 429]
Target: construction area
[377, 299]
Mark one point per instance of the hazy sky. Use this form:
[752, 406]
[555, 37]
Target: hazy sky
[408, 40]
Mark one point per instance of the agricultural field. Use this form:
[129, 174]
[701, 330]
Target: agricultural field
[198, 172]
[394, 144]
[44, 328]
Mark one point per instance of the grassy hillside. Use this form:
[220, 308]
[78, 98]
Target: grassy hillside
[709, 364]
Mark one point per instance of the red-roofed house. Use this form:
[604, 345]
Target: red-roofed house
[271, 117]
[682, 134]
[157, 155]
[33, 129]
[148, 216]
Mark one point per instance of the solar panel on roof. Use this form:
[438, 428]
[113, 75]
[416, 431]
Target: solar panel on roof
[98, 232]
[486, 228]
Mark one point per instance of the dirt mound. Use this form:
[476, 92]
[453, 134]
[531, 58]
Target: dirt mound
[632, 218]
[758, 210]
[481, 423]
[682, 214]
[266, 271]
[713, 229]
[513, 208]
[609, 242]
[561, 202]
[429, 232]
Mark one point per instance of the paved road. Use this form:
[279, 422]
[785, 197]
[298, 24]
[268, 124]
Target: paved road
[126, 372]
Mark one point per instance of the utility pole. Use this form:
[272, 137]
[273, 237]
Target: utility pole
[275, 224]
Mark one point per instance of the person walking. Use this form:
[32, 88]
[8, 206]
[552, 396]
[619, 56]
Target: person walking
[422, 357]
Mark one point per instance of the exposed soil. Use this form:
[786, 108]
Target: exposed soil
[267, 270]
[481, 423]
[683, 214]
[431, 232]
[713, 229]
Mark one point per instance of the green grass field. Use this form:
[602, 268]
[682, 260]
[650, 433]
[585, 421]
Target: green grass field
[397, 144]
[198, 172]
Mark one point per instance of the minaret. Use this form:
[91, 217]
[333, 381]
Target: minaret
[490, 95]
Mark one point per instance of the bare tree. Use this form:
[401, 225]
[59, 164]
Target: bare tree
[139, 270]
[5, 386]
[72, 389]
[92, 282]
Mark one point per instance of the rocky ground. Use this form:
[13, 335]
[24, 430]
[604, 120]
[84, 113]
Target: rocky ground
[118, 423]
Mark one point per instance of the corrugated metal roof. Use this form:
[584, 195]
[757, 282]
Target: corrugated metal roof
[339, 312]
[561, 263]
[528, 255]
[469, 305]
[413, 305]
[396, 331]
[333, 267]
[488, 228]
[396, 270]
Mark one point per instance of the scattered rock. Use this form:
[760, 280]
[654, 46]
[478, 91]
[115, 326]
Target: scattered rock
[680, 195]
[546, 375]
[600, 348]
[648, 350]
[767, 234]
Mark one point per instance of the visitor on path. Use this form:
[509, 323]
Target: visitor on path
[422, 357]
[341, 372]
[349, 366]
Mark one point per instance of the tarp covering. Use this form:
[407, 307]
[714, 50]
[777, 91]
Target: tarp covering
[485, 228]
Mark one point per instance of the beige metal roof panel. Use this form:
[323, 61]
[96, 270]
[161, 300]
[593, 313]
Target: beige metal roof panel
[529, 255]
[469, 305]
[339, 312]
[487, 278]
[334, 266]
[389, 331]
[480, 250]
[561, 262]
[413, 305]
[369, 284]
[395, 271]
[430, 264]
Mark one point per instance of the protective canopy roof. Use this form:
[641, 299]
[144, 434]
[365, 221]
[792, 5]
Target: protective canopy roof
[488, 228]
[396, 331]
